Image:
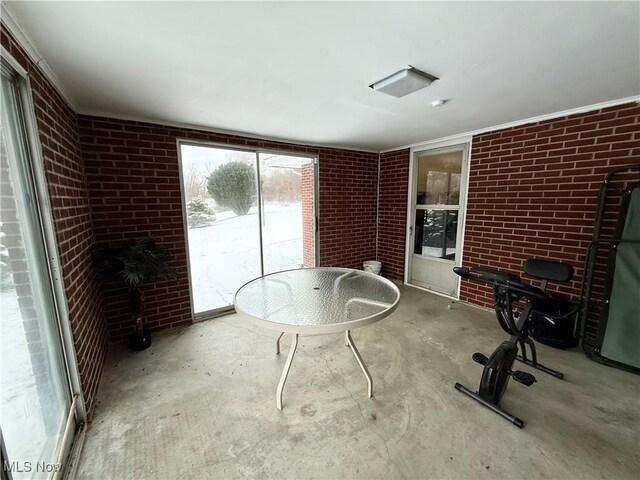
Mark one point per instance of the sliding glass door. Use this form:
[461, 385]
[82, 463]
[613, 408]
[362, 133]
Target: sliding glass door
[248, 213]
[35, 394]
[287, 211]
[223, 228]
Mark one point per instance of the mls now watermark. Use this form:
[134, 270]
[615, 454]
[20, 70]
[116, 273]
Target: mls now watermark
[28, 467]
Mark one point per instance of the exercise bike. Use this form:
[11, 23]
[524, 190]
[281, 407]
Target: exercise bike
[516, 305]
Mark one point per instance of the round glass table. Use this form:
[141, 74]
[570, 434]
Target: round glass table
[314, 301]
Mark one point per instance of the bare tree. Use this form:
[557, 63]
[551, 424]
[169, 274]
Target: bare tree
[282, 186]
[195, 182]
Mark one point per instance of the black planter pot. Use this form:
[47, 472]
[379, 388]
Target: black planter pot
[140, 338]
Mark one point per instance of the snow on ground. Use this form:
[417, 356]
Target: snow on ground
[223, 257]
[436, 251]
[226, 255]
[26, 436]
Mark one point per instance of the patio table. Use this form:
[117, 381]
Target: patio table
[315, 301]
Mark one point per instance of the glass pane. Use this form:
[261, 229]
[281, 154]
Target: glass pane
[288, 219]
[436, 232]
[223, 228]
[34, 394]
[439, 179]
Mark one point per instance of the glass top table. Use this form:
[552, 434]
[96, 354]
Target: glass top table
[312, 301]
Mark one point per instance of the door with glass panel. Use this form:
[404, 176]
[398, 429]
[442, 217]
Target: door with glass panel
[248, 213]
[436, 227]
[35, 393]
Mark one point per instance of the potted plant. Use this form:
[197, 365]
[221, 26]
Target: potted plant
[136, 262]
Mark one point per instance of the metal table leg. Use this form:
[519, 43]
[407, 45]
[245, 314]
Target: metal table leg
[278, 343]
[285, 371]
[360, 362]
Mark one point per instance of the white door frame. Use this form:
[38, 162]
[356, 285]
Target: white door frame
[438, 146]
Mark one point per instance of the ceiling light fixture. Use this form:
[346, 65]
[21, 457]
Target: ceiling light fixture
[438, 103]
[403, 82]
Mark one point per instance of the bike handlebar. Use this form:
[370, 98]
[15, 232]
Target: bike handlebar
[507, 280]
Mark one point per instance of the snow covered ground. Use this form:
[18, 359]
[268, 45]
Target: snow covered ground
[29, 435]
[223, 257]
[436, 252]
[226, 255]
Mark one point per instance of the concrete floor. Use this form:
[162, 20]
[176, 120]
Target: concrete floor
[200, 403]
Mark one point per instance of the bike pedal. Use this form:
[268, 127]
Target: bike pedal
[480, 358]
[524, 378]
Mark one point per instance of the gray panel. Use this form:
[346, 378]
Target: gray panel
[622, 336]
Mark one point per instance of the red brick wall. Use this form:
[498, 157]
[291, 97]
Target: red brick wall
[348, 199]
[132, 169]
[533, 190]
[392, 212]
[532, 193]
[308, 215]
[67, 188]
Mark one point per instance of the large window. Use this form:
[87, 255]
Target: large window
[35, 393]
[249, 213]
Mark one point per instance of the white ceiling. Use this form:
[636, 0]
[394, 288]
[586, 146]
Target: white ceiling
[300, 71]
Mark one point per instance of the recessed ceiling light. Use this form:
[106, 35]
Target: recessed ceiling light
[438, 103]
[403, 82]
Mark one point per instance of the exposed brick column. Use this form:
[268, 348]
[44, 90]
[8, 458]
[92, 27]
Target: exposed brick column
[308, 216]
[347, 204]
[392, 212]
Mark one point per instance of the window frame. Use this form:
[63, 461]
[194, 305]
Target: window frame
[36, 177]
[200, 316]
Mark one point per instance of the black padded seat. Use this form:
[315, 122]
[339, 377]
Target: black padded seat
[548, 270]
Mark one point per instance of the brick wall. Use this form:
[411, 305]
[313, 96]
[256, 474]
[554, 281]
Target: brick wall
[348, 207]
[532, 193]
[307, 185]
[132, 169]
[69, 198]
[533, 190]
[392, 212]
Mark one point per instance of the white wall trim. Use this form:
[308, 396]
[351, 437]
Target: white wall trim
[25, 42]
[540, 118]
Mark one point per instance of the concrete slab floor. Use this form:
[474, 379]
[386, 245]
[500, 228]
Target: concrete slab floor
[200, 403]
